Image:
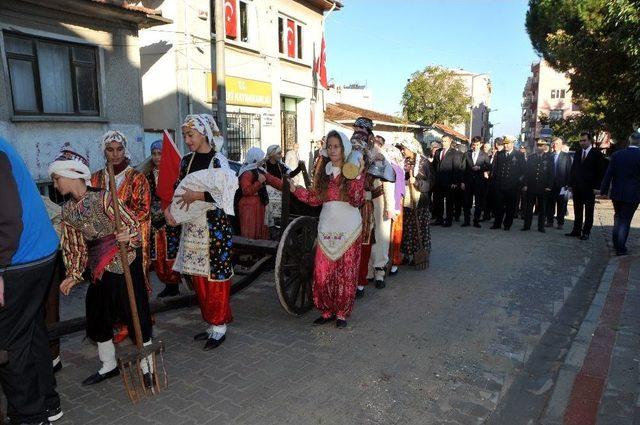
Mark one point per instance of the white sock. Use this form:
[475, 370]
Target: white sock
[107, 355]
[360, 287]
[146, 364]
[394, 269]
[56, 361]
[217, 331]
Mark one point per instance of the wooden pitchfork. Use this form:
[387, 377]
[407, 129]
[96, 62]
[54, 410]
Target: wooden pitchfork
[130, 360]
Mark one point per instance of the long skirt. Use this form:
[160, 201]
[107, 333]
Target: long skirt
[213, 297]
[416, 230]
[161, 264]
[396, 240]
[335, 282]
[252, 223]
[107, 302]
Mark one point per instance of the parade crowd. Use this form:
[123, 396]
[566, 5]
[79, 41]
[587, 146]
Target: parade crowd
[376, 202]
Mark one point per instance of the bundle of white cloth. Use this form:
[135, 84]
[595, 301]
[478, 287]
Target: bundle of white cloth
[221, 183]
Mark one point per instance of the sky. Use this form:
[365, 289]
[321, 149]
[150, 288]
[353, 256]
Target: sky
[382, 42]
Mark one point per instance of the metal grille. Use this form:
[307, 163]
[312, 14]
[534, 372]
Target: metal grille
[289, 129]
[243, 132]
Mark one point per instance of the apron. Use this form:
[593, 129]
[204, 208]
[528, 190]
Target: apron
[339, 227]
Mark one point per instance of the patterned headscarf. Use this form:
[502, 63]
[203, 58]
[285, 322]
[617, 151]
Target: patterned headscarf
[253, 157]
[115, 136]
[205, 125]
[71, 165]
[156, 146]
[365, 123]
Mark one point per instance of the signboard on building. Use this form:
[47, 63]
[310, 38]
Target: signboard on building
[241, 91]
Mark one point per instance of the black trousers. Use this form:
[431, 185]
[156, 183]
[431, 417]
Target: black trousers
[506, 204]
[474, 194]
[458, 202]
[534, 199]
[443, 204]
[556, 205]
[27, 379]
[583, 204]
[624, 212]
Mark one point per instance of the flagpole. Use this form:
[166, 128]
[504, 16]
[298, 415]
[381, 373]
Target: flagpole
[221, 90]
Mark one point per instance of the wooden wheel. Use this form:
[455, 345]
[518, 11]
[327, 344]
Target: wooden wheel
[294, 265]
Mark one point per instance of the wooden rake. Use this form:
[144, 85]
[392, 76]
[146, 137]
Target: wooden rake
[133, 357]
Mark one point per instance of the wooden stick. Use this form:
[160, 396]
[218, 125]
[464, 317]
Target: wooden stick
[124, 260]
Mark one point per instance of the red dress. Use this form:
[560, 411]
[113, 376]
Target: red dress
[250, 207]
[335, 280]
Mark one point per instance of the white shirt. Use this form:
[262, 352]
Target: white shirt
[585, 152]
[474, 156]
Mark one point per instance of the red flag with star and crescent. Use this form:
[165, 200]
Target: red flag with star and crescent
[230, 21]
[169, 170]
[322, 65]
[291, 38]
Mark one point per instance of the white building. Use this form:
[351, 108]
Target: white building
[479, 89]
[273, 96]
[353, 94]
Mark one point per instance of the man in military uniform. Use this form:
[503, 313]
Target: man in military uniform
[508, 169]
[538, 182]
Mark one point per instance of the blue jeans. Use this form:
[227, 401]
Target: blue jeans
[622, 223]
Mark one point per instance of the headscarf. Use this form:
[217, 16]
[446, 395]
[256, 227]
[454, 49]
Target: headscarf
[273, 150]
[206, 125]
[254, 155]
[360, 139]
[71, 165]
[115, 136]
[156, 146]
[347, 147]
[365, 123]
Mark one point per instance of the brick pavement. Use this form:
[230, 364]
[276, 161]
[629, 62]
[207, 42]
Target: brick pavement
[442, 346]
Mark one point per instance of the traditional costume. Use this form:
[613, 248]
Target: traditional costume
[394, 155]
[158, 242]
[337, 258]
[88, 241]
[253, 196]
[204, 251]
[279, 170]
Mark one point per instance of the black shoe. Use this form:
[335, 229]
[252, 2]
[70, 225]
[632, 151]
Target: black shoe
[466, 224]
[323, 320]
[97, 377]
[380, 284]
[340, 324]
[214, 343]
[573, 235]
[148, 378]
[494, 227]
[54, 414]
[541, 230]
[525, 229]
[392, 272]
[584, 237]
[58, 367]
[169, 291]
[476, 224]
[202, 336]
[359, 293]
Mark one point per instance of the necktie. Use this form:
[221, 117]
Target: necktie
[442, 154]
[584, 155]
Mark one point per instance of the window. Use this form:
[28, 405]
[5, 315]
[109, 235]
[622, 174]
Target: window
[562, 93]
[49, 77]
[556, 114]
[236, 17]
[243, 132]
[290, 37]
[553, 94]
[558, 93]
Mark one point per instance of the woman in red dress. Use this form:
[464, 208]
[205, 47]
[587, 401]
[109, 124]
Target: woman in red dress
[337, 259]
[254, 197]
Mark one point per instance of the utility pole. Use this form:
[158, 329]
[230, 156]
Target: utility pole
[218, 57]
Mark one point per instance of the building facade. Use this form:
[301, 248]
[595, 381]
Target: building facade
[547, 92]
[479, 89]
[352, 94]
[271, 47]
[70, 70]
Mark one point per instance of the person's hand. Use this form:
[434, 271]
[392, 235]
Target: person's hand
[462, 186]
[67, 284]
[524, 188]
[547, 189]
[292, 185]
[1, 291]
[261, 178]
[169, 217]
[389, 215]
[188, 197]
[123, 236]
[412, 180]
[486, 174]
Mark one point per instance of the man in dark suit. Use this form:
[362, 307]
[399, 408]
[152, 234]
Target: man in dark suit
[476, 165]
[623, 176]
[586, 175]
[538, 179]
[490, 199]
[508, 169]
[446, 163]
[561, 165]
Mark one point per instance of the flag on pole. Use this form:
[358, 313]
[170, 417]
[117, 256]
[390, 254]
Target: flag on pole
[230, 18]
[322, 64]
[169, 170]
[291, 38]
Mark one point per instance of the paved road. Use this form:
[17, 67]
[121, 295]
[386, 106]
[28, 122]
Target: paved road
[442, 346]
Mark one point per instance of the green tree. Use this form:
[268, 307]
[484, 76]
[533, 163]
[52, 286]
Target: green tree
[436, 96]
[598, 43]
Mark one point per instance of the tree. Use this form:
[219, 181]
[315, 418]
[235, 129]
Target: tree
[598, 43]
[436, 96]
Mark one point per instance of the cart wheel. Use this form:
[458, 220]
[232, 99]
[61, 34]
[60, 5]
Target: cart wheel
[294, 265]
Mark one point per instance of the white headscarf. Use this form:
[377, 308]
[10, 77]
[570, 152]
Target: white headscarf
[206, 125]
[254, 155]
[273, 149]
[347, 148]
[70, 165]
[114, 136]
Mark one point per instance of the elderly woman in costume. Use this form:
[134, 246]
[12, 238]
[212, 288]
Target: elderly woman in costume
[277, 168]
[335, 275]
[393, 154]
[254, 197]
[416, 216]
[204, 252]
[89, 240]
[159, 240]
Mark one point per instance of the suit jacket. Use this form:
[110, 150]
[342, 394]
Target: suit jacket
[508, 170]
[623, 176]
[561, 169]
[448, 169]
[472, 177]
[538, 174]
[587, 175]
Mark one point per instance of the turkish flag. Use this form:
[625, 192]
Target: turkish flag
[322, 65]
[168, 171]
[291, 38]
[230, 18]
